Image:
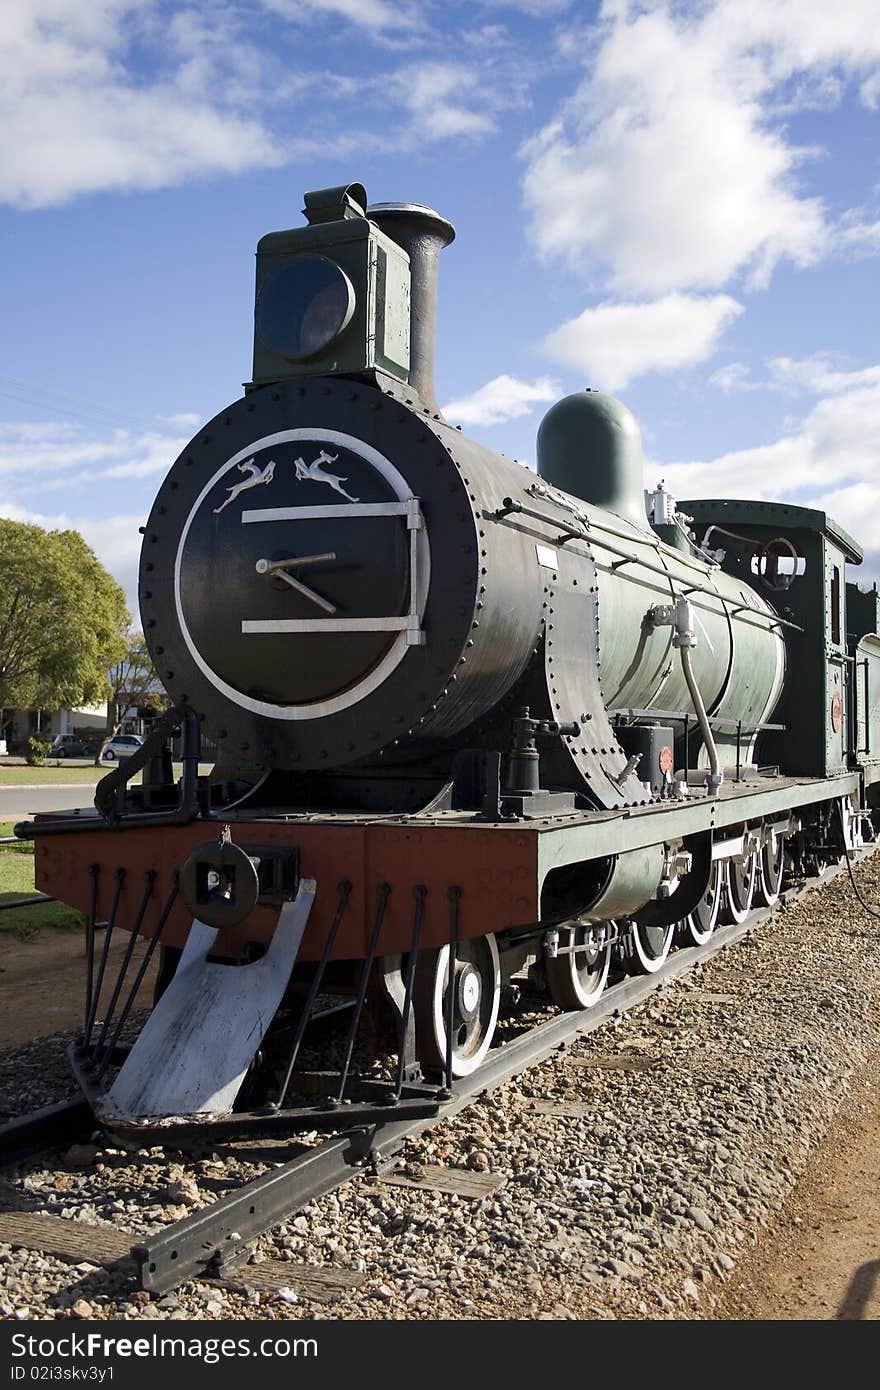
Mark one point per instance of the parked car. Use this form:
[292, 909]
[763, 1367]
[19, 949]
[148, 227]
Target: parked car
[121, 746]
[68, 746]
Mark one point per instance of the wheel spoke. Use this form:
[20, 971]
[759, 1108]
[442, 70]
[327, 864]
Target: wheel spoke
[476, 985]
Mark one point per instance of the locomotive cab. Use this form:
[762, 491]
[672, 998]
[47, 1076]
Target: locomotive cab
[796, 557]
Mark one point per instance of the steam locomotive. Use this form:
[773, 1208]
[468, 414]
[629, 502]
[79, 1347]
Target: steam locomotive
[468, 716]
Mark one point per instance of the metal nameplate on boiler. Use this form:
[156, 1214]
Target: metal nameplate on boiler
[547, 557]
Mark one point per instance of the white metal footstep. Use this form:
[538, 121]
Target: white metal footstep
[196, 1046]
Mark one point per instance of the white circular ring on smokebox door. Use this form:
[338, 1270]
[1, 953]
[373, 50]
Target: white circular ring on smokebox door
[396, 652]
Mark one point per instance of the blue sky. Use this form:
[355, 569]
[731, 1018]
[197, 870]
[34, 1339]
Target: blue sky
[678, 203]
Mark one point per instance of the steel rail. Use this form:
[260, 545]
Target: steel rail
[216, 1238]
[534, 1046]
[31, 1134]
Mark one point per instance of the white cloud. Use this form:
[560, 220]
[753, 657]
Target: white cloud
[187, 419]
[811, 93]
[42, 454]
[31, 449]
[612, 343]
[857, 509]
[794, 36]
[116, 95]
[395, 18]
[665, 167]
[78, 117]
[58, 475]
[859, 236]
[538, 9]
[836, 440]
[376, 16]
[819, 374]
[870, 91]
[154, 454]
[503, 398]
[734, 377]
[437, 97]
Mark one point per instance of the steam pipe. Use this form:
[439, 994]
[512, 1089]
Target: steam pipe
[716, 776]
[680, 617]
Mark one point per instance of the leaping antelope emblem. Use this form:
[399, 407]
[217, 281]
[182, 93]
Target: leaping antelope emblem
[258, 475]
[314, 472]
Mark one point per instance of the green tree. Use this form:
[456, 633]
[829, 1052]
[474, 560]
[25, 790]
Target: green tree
[132, 680]
[63, 619]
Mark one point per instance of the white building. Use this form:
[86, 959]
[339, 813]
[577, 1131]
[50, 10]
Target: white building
[21, 724]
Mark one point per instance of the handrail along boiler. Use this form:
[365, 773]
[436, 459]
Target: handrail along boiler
[469, 717]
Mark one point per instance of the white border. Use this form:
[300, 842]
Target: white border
[395, 654]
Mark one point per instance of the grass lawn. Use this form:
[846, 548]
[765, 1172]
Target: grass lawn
[49, 776]
[17, 881]
[60, 774]
[23, 846]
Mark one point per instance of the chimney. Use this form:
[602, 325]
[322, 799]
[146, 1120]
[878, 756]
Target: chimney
[422, 233]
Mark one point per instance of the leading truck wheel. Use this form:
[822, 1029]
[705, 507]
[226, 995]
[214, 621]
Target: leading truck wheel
[477, 994]
[576, 977]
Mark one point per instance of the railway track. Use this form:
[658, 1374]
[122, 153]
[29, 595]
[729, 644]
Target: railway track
[215, 1240]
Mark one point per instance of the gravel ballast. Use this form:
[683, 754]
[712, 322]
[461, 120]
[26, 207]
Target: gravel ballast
[703, 1106]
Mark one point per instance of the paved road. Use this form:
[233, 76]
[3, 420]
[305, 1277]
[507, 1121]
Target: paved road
[19, 801]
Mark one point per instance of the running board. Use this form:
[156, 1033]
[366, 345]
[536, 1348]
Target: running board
[198, 1043]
